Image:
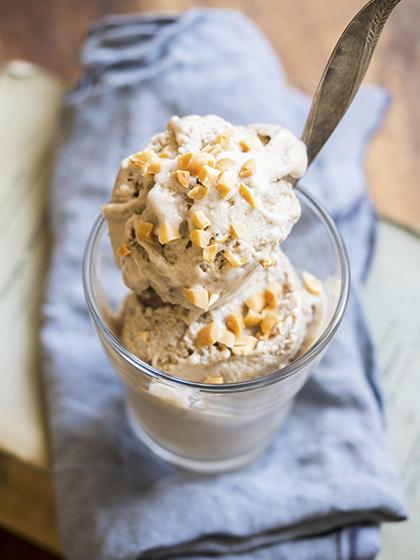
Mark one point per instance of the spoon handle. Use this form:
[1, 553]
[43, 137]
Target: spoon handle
[344, 73]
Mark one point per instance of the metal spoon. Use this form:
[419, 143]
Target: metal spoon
[344, 73]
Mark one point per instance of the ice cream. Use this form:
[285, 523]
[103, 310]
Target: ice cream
[261, 329]
[202, 207]
[195, 221]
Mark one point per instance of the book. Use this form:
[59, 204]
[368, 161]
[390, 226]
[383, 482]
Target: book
[29, 108]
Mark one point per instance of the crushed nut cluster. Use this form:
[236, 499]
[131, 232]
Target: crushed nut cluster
[198, 173]
[260, 312]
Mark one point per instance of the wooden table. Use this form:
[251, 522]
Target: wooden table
[49, 32]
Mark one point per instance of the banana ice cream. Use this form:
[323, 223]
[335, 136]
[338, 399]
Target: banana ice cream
[261, 329]
[195, 221]
[202, 207]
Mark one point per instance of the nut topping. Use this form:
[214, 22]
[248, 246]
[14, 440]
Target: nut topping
[198, 296]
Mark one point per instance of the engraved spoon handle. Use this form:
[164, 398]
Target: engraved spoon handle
[344, 73]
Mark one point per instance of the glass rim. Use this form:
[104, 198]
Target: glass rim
[274, 377]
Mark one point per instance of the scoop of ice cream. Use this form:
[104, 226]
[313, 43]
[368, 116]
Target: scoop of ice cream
[202, 207]
[272, 318]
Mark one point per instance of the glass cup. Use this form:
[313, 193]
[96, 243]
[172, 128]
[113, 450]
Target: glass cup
[214, 428]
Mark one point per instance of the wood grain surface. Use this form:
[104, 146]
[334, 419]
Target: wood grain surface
[303, 32]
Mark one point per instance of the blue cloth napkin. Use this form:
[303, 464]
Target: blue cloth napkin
[328, 479]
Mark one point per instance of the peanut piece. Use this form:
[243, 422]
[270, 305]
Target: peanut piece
[198, 296]
[224, 164]
[245, 192]
[199, 160]
[256, 301]
[200, 220]
[143, 230]
[271, 319]
[232, 259]
[311, 283]
[208, 176]
[184, 160]
[234, 323]
[124, 250]
[267, 262]
[210, 252]
[167, 233]
[272, 294]
[207, 335]
[225, 183]
[199, 238]
[183, 178]
[252, 318]
[214, 379]
[227, 338]
[198, 192]
[237, 229]
[248, 168]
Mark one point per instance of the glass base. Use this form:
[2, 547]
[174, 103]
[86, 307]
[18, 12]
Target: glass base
[195, 465]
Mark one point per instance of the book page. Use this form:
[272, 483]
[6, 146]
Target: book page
[29, 106]
[392, 303]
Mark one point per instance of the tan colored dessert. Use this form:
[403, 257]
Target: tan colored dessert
[202, 207]
[195, 222]
[257, 332]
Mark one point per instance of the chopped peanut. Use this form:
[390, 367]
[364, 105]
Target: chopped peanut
[210, 252]
[246, 193]
[311, 283]
[225, 183]
[144, 335]
[142, 159]
[200, 220]
[232, 259]
[207, 335]
[223, 139]
[143, 230]
[256, 302]
[184, 160]
[199, 238]
[208, 176]
[214, 150]
[272, 293]
[198, 192]
[183, 178]
[223, 238]
[124, 250]
[198, 296]
[237, 229]
[214, 379]
[198, 160]
[244, 145]
[271, 319]
[248, 168]
[252, 318]
[153, 168]
[244, 344]
[147, 161]
[267, 262]
[224, 164]
[167, 233]
[213, 298]
[227, 338]
[234, 323]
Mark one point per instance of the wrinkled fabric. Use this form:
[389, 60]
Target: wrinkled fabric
[328, 480]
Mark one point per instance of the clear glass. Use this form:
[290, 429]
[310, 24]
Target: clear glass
[213, 428]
